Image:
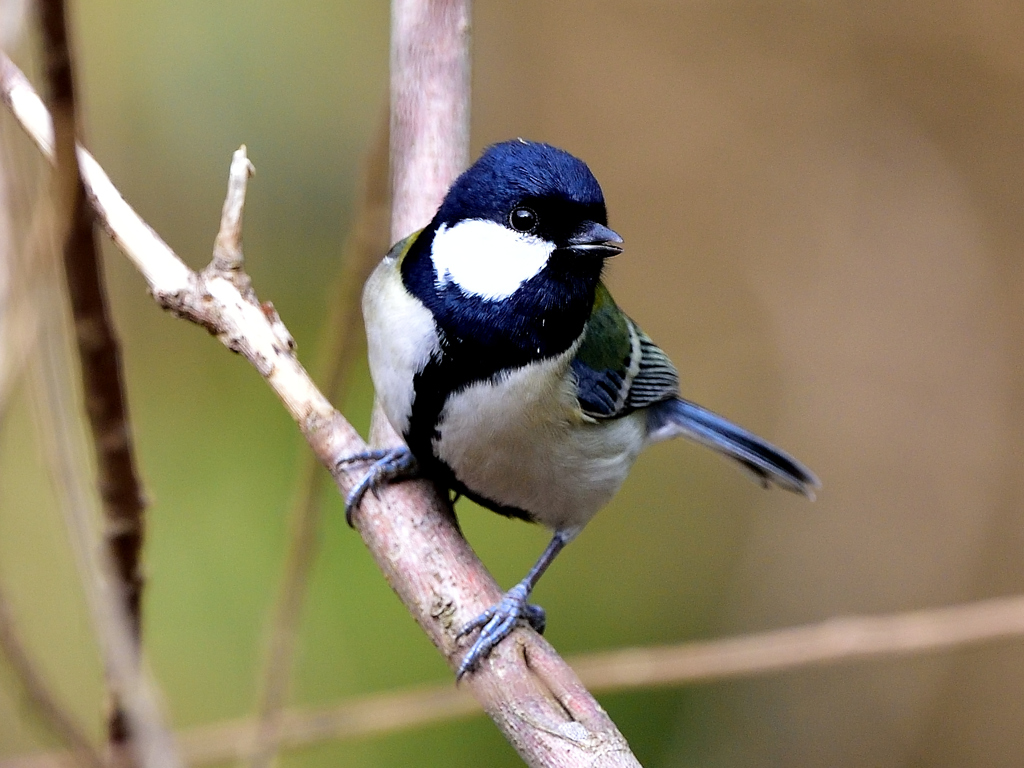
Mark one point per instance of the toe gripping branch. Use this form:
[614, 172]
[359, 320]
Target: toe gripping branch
[389, 465]
[498, 621]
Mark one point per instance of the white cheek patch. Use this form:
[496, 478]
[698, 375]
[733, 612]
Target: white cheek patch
[487, 259]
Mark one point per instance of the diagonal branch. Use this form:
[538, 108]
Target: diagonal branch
[42, 697]
[530, 693]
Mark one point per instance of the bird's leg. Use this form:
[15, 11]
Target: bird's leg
[389, 465]
[498, 621]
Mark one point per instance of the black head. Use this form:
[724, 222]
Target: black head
[510, 263]
[530, 187]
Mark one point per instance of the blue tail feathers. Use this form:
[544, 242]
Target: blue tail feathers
[678, 417]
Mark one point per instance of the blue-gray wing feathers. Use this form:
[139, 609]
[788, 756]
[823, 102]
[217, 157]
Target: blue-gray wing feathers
[619, 370]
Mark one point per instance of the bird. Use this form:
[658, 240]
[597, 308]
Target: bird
[501, 358]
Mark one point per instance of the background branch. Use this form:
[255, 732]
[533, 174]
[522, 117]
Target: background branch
[41, 696]
[98, 349]
[19, 337]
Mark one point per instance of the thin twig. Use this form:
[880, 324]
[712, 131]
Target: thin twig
[536, 700]
[835, 641]
[98, 350]
[53, 396]
[24, 273]
[362, 250]
[302, 545]
[18, 338]
[37, 691]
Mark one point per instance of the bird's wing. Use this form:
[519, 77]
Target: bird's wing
[617, 367]
[401, 248]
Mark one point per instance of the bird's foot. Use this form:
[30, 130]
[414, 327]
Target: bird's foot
[497, 623]
[389, 465]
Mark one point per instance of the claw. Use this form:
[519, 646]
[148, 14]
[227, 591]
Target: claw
[389, 465]
[361, 458]
[497, 623]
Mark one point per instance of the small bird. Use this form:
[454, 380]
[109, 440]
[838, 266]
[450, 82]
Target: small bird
[503, 361]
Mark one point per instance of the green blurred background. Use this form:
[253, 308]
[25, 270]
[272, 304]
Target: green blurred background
[823, 211]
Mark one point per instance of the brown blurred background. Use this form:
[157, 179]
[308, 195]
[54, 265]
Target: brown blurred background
[823, 211]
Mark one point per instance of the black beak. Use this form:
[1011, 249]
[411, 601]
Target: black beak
[596, 240]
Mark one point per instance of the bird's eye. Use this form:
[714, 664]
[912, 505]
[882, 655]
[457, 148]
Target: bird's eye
[522, 219]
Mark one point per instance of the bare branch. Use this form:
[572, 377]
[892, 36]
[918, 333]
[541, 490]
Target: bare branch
[835, 640]
[429, 106]
[22, 274]
[53, 715]
[839, 640]
[227, 249]
[98, 349]
[366, 716]
[209, 299]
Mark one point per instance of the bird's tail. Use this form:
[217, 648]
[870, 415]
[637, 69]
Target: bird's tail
[675, 417]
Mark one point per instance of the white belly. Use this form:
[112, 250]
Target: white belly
[523, 442]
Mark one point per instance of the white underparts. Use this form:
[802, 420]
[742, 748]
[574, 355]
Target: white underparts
[520, 441]
[401, 338]
[487, 259]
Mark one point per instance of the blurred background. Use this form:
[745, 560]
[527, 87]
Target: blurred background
[823, 211]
